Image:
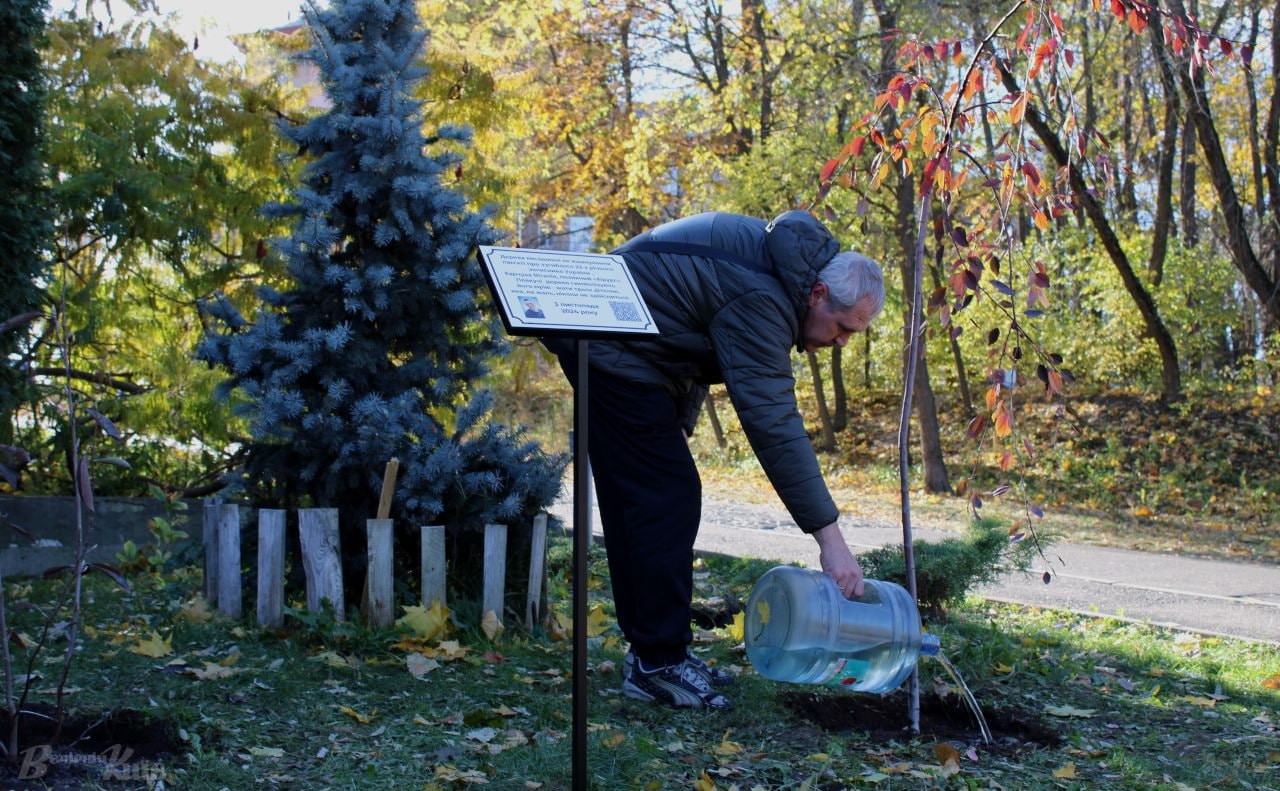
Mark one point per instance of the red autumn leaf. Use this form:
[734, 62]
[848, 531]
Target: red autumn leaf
[855, 147]
[1019, 108]
[973, 84]
[1246, 55]
[976, 426]
[829, 169]
[1137, 23]
[1226, 46]
[1032, 173]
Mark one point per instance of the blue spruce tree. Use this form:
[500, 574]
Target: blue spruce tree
[375, 349]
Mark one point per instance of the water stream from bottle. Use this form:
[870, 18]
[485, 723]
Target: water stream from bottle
[967, 696]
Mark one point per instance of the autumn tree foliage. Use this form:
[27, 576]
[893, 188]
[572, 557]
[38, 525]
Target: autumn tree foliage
[1042, 162]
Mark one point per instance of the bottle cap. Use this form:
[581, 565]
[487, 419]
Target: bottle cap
[929, 644]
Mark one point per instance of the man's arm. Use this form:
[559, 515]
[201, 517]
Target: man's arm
[838, 561]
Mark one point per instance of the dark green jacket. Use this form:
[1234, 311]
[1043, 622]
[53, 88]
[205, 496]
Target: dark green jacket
[733, 320]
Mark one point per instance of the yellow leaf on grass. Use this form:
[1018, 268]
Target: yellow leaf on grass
[597, 621]
[154, 646]
[1066, 772]
[451, 650]
[363, 719]
[613, 739]
[491, 626]
[1200, 701]
[426, 622]
[1272, 682]
[726, 747]
[266, 752]
[704, 783]
[738, 629]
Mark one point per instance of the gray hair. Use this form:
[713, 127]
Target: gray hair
[851, 278]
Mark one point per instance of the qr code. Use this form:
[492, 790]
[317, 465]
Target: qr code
[625, 311]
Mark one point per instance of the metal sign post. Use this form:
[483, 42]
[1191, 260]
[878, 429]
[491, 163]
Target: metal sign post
[550, 293]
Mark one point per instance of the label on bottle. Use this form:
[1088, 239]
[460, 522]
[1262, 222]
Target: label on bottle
[848, 672]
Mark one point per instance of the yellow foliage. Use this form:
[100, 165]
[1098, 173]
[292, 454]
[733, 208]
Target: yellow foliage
[427, 623]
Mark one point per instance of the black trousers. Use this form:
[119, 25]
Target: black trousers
[650, 500]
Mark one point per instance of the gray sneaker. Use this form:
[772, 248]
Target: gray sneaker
[681, 685]
[718, 678]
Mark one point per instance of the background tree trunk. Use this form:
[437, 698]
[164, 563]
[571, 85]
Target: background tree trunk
[840, 399]
[824, 415]
[714, 417]
[905, 229]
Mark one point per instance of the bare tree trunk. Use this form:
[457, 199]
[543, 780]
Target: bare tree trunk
[840, 399]
[866, 359]
[1187, 185]
[714, 417]
[1163, 224]
[824, 415]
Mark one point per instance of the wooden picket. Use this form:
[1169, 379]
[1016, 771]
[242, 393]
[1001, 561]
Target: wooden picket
[322, 564]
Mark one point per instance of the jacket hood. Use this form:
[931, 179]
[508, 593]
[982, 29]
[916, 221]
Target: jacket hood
[799, 246]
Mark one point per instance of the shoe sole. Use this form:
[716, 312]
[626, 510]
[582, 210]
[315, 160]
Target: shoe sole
[683, 698]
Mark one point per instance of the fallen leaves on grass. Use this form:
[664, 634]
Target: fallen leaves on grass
[1068, 711]
[727, 748]
[363, 719]
[427, 623]
[1065, 772]
[949, 757]
[451, 774]
[420, 665]
[212, 671]
[491, 625]
[154, 646]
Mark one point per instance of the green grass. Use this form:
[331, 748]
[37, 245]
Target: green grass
[1135, 707]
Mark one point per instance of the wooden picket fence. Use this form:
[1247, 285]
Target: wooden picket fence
[322, 564]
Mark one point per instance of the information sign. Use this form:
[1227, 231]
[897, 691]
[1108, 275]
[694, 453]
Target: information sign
[553, 292]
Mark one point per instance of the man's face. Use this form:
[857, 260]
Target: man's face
[827, 325]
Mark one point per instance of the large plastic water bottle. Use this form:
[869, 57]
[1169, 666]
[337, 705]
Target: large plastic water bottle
[800, 628]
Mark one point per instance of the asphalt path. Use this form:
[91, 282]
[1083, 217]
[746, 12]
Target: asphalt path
[1208, 597]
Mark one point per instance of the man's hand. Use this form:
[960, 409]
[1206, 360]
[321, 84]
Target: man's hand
[838, 561]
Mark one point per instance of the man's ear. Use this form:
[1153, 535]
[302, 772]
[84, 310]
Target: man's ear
[818, 293]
